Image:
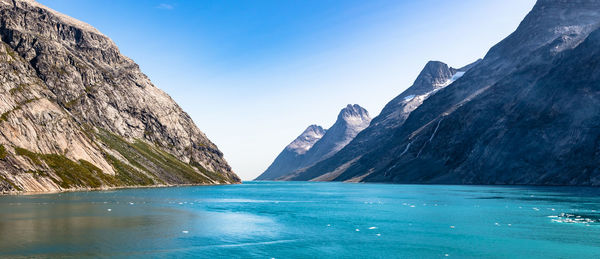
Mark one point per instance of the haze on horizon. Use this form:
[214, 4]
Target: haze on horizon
[254, 74]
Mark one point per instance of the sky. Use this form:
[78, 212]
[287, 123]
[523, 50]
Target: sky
[254, 74]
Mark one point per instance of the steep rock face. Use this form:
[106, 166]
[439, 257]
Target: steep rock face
[350, 121]
[78, 114]
[526, 114]
[290, 158]
[434, 76]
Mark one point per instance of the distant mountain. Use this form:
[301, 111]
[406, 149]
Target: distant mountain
[77, 114]
[291, 158]
[316, 144]
[528, 113]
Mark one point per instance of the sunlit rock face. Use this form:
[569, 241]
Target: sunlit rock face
[77, 114]
[527, 113]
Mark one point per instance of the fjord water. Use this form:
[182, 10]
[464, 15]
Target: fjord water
[306, 220]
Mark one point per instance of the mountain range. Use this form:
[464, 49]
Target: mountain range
[316, 144]
[527, 113]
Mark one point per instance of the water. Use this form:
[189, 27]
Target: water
[305, 220]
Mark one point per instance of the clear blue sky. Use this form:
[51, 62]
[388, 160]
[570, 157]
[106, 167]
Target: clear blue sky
[254, 74]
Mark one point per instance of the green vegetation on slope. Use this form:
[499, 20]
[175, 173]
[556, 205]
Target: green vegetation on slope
[3, 152]
[156, 161]
[146, 165]
[82, 173]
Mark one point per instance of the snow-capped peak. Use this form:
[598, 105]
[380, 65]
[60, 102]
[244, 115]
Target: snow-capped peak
[306, 140]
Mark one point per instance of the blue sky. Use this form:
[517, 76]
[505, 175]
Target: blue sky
[254, 74]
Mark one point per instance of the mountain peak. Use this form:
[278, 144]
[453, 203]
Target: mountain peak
[435, 73]
[354, 114]
[306, 140]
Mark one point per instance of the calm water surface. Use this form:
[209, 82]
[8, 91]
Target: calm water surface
[305, 220]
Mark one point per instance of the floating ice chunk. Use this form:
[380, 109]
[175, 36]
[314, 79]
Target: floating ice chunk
[185, 232]
[412, 206]
[329, 225]
[130, 203]
[509, 224]
[108, 209]
[451, 226]
[380, 234]
[357, 230]
[181, 203]
[373, 228]
[536, 209]
[446, 255]
[497, 224]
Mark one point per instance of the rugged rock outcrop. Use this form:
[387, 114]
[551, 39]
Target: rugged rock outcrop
[351, 120]
[528, 113]
[77, 114]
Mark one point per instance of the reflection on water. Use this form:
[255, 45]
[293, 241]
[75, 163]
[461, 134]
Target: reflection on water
[283, 220]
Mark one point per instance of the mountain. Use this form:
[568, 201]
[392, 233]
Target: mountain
[350, 121]
[525, 114]
[77, 114]
[290, 158]
[434, 76]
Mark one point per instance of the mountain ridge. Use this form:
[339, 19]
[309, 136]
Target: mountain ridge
[472, 131]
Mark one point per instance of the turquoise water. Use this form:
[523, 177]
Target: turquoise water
[305, 220]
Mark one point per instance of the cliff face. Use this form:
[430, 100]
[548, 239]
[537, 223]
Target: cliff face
[526, 114]
[350, 121]
[78, 114]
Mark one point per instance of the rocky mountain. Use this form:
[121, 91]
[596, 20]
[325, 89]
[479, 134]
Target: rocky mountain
[290, 158]
[528, 113]
[77, 114]
[351, 120]
[434, 76]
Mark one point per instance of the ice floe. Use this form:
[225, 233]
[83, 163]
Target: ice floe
[572, 218]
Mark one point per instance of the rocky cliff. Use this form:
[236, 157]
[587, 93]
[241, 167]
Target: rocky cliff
[525, 114]
[76, 114]
[350, 121]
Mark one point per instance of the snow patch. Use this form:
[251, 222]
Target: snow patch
[408, 98]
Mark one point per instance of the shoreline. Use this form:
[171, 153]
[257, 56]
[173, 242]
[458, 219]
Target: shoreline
[113, 188]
